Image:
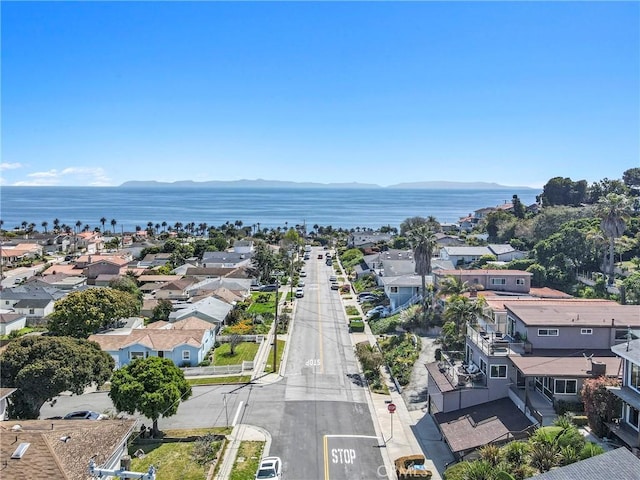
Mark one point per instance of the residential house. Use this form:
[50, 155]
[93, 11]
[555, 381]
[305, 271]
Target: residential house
[90, 242]
[210, 309]
[514, 281]
[175, 290]
[25, 295]
[5, 393]
[10, 322]
[10, 255]
[465, 254]
[627, 428]
[404, 290]
[540, 355]
[34, 308]
[368, 239]
[61, 449]
[60, 281]
[184, 346]
[152, 260]
[225, 259]
[113, 266]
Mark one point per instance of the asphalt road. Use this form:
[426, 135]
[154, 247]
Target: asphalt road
[317, 414]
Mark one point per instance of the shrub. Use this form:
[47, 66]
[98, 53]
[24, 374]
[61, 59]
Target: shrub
[351, 310]
[564, 406]
[356, 325]
[384, 325]
[600, 405]
[580, 420]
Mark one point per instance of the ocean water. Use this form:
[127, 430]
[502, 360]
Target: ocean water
[270, 207]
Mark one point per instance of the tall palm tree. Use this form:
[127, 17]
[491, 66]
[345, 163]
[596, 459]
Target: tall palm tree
[164, 226]
[614, 210]
[56, 224]
[45, 224]
[461, 310]
[103, 220]
[423, 241]
[113, 225]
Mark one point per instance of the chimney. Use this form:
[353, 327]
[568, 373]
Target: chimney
[598, 368]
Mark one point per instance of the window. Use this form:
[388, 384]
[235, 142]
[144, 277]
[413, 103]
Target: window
[519, 281]
[623, 333]
[568, 387]
[498, 371]
[633, 416]
[483, 366]
[32, 311]
[498, 281]
[186, 355]
[634, 380]
[134, 355]
[586, 331]
[394, 289]
[548, 332]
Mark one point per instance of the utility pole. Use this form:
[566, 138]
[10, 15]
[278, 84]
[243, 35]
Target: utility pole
[275, 330]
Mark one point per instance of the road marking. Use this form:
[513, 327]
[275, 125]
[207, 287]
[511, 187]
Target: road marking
[235, 418]
[326, 457]
[340, 455]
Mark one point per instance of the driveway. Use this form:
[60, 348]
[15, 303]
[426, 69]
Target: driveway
[415, 393]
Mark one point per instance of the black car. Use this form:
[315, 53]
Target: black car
[269, 288]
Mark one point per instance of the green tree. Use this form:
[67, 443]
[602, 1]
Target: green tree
[613, 211]
[126, 283]
[564, 191]
[631, 286]
[162, 310]
[263, 262]
[519, 209]
[423, 241]
[600, 405]
[152, 386]
[80, 314]
[42, 367]
[631, 179]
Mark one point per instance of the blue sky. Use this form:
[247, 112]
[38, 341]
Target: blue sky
[373, 92]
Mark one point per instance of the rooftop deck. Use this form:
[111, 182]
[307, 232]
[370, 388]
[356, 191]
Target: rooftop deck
[492, 341]
[460, 375]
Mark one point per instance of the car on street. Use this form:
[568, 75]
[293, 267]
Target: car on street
[319, 256]
[299, 293]
[270, 467]
[333, 278]
[303, 273]
[84, 415]
[334, 286]
[301, 283]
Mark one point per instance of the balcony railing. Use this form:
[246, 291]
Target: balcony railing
[493, 342]
[459, 374]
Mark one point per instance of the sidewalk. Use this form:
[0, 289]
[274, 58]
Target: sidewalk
[240, 433]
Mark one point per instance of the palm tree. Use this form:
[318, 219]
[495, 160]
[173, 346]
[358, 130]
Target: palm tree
[461, 310]
[113, 225]
[45, 224]
[423, 241]
[164, 226]
[56, 224]
[453, 285]
[103, 220]
[613, 210]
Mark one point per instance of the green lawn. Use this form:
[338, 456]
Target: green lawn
[172, 461]
[219, 380]
[247, 461]
[245, 351]
[269, 366]
[262, 307]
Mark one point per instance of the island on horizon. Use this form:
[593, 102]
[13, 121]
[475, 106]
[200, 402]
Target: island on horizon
[260, 183]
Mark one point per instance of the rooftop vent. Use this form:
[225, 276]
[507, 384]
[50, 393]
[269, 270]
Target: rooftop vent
[20, 451]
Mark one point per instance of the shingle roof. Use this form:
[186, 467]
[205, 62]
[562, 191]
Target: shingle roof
[10, 317]
[619, 463]
[154, 339]
[584, 314]
[49, 457]
[472, 427]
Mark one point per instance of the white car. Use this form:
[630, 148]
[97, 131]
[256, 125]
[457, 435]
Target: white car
[270, 467]
[380, 310]
[299, 293]
[301, 283]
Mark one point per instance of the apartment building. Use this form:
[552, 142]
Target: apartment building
[627, 427]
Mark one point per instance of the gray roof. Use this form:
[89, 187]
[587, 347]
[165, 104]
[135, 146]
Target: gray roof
[210, 307]
[406, 281]
[619, 463]
[11, 317]
[467, 250]
[33, 303]
[631, 353]
[225, 257]
[393, 268]
[31, 291]
[499, 249]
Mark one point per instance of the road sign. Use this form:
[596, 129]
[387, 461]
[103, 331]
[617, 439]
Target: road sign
[391, 407]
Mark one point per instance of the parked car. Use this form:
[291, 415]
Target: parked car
[368, 298]
[269, 288]
[319, 256]
[329, 262]
[379, 311]
[333, 278]
[84, 415]
[299, 293]
[334, 286]
[303, 273]
[301, 283]
[270, 467]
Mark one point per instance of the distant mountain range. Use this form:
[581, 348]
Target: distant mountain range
[259, 183]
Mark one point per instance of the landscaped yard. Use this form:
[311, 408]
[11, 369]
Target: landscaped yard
[175, 460]
[269, 366]
[247, 461]
[219, 380]
[263, 302]
[245, 351]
